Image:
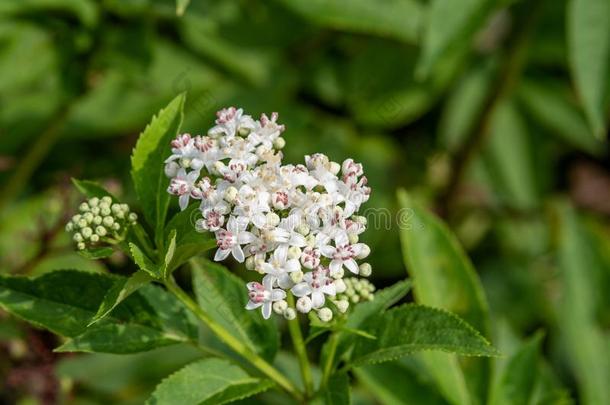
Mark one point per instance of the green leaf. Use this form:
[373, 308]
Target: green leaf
[410, 389]
[143, 262]
[65, 301]
[336, 392]
[96, 253]
[588, 350]
[518, 378]
[92, 189]
[589, 56]
[189, 242]
[224, 296]
[181, 6]
[363, 312]
[411, 328]
[551, 106]
[509, 160]
[442, 274]
[450, 24]
[398, 19]
[122, 288]
[209, 381]
[444, 277]
[85, 10]
[147, 167]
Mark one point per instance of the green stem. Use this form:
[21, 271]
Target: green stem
[299, 348]
[327, 369]
[233, 342]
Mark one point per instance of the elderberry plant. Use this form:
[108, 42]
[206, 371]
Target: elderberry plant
[295, 228]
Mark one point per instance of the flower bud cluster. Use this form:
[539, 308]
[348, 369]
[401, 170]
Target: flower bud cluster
[100, 221]
[357, 290]
[297, 225]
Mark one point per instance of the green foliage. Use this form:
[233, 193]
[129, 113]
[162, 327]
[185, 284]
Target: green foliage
[209, 381]
[189, 242]
[398, 19]
[147, 173]
[66, 301]
[336, 392]
[222, 295]
[411, 328]
[518, 378]
[91, 189]
[589, 51]
[580, 329]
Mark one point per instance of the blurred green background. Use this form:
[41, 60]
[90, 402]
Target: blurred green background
[479, 108]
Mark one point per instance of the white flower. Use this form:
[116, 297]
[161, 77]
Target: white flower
[316, 284]
[278, 269]
[263, 295]
[183, 186]
[229, 240]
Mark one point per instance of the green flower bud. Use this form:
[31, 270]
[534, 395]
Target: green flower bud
[87, 232]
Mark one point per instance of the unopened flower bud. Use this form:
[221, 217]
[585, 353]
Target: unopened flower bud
[108, 221]
[230, 195]
[353, 238]
[360, 219]
[185, 162]
[294, 252]
[303, 229]
[325, 314]
[243, 131]
[97, 220]
[106, 199]
[219, 166]
[279, 307]
[273, 219]
[290, 314]
[342, 305]
[296, 276]
[101, 231]
[94, 202]
[133, 217]
[364, 252]
[340, 286]
[334, 168]
[69, 227]
[116, 226]
[250, 265]
[171, 169]
[88, 217]
[279, 143]
[95, 238]
[80, 245]
[77, 237]
[365, 269]
[87, 232]
[84, 207]
[304, 304]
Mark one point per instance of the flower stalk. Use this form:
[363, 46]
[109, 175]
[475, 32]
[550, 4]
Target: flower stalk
[299, 347]
[254, 359]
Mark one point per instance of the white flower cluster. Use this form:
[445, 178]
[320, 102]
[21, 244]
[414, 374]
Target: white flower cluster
[100, 221]
[295, 224]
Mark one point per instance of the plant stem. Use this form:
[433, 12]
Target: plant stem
[299, 348]
[327, 369]
[231, 341]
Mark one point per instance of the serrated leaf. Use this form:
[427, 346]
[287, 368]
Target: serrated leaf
[588, 351]
[398, 19]
[364, 311]
[144, 262]
[209, 381]
[589, 55]
[96, 253]
[411, 328]
[91, 189]
[336, 392]
[122, 288]
[518, 378]
[189, 242]
[450, 24]
[65, 301]
[147, 164]
[444, 277]
[224, 296]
